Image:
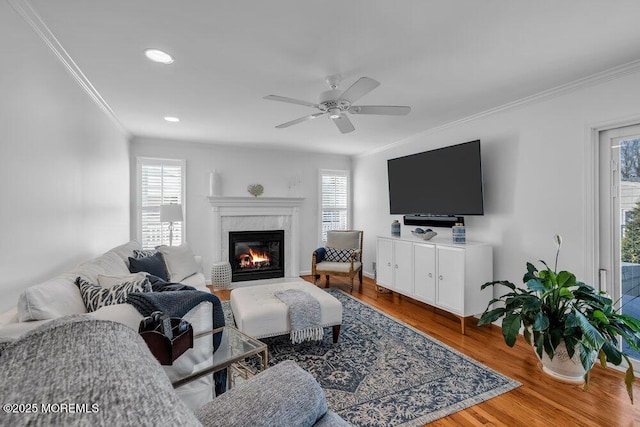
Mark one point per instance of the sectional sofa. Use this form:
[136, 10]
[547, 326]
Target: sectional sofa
[59, 297]
[79, 371]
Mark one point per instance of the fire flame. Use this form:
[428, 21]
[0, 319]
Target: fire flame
[258, 256]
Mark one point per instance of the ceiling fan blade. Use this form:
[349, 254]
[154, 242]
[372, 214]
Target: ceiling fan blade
[387, 110]
[300, 120]
[363, 86]
[291, 100]
[344, 124]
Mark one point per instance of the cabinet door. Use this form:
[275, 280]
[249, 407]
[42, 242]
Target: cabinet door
[384, 260]
[424, 272]
[450, 292]
[403, 267]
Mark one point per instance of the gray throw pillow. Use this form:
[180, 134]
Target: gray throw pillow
[153, 265]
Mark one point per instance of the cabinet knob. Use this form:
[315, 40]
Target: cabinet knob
[430, 275]
[389, 264]
[440, 277]
[396, 265]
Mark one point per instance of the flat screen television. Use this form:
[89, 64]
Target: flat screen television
[445, 181]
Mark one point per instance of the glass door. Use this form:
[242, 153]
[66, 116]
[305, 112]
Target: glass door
[620, 219]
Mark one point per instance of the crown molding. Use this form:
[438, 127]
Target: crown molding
[592, 80]
[31, 17]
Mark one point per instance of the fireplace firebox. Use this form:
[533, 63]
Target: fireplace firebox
[256, 255]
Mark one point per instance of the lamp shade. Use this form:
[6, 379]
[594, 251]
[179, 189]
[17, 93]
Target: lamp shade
[170, 213]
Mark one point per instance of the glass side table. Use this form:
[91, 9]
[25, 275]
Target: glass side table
[235, 347]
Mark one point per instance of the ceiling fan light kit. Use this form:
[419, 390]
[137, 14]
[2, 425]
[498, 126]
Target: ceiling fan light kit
[157, 55]
[336, 103]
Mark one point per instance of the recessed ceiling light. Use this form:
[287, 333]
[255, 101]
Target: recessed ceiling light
[172, 119]
[157, 55]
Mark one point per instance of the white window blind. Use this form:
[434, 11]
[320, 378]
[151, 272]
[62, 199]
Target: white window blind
[334, 201]
[160, 182]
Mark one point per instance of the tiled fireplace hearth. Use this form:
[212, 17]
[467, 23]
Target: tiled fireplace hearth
[257, 214]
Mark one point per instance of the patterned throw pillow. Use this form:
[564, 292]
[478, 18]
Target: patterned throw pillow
[107, 281]
[95, 296]
[338, 255]
[143, 253]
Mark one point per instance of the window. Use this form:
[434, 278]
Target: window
[334, 201]
[160, 182]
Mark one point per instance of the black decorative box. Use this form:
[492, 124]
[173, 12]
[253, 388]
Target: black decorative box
[167, 350]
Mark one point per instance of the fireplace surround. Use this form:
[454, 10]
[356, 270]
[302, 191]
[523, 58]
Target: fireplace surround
[257, 213]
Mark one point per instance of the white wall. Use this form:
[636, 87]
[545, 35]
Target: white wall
[236, 168]
[64, 180]
[535, 161]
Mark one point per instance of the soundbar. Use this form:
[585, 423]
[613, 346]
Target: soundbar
[433, 220]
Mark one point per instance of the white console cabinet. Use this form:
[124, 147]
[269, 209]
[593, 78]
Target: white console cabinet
[439, 273]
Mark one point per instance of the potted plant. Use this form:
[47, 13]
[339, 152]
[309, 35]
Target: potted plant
[564, 319]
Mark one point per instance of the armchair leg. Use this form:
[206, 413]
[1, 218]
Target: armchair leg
[316, 277]
[360, 276]
[326, 283]
[351, 290]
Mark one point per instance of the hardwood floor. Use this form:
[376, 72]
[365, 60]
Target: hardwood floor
[540, 401]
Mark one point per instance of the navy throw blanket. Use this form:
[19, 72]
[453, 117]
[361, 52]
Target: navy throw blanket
[176, 299]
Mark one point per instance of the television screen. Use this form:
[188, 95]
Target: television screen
[446, 181]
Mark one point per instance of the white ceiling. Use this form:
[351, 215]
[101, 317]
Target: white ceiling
[446, 59]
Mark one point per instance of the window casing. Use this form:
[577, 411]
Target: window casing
[159, 182]
[334, 201]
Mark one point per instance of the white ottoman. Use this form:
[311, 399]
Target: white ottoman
[260, 314]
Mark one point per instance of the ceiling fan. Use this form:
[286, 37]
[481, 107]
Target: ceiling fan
[336, 103]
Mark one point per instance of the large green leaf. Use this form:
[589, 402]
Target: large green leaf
[527, 336]
[491, 316]
[536, 285]
[594, 338]
[541, 323]
[566, 279]
[571, 321]
[531, 304]
[631, 322]
[599, 315]
[499, 282]
[511, 328]
[565, 293]
[586, 357]
[629, 378]
[570, 342]
[548, 347]
[613, 354]
[540, 344]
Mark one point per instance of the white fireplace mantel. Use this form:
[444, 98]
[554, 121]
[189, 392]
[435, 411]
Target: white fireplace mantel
[253, 202]
[285, 208]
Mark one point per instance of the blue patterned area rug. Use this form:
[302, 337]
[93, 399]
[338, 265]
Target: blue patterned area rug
[384, 372]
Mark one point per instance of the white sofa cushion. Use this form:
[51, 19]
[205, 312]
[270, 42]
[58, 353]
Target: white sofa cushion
[126, 250]
[197, 281]
[179, 261]
[54, 298]
[109, 263]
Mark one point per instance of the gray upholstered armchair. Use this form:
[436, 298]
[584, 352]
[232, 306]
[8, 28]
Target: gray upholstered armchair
[342, 256]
